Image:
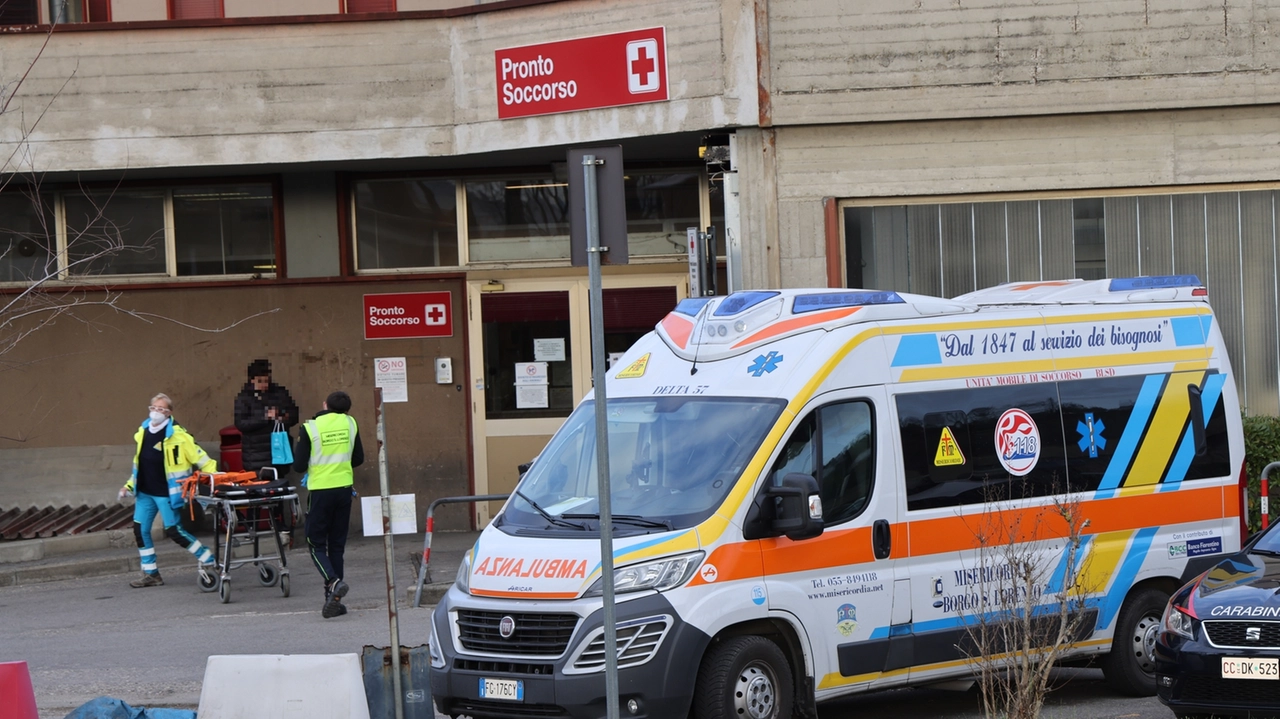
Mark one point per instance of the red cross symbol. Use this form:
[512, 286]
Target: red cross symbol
[643, 65]
[435, 314]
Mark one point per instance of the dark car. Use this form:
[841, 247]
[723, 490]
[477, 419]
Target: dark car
[1218, 651]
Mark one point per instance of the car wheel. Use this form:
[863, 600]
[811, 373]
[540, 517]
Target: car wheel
[1130, 667]
[744, 678]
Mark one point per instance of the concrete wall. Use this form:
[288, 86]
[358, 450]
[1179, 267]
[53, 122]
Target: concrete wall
[305, 92]
[314, 339]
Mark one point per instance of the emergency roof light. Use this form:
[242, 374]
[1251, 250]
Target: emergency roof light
[835, 300]
[740, 301]
[691, 306]
[1128, 284]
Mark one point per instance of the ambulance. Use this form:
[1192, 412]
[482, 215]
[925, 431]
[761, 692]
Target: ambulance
[798, 479]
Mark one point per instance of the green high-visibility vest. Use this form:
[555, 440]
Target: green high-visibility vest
[333, 438]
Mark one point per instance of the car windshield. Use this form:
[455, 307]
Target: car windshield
[1268, 543]
[672, 460]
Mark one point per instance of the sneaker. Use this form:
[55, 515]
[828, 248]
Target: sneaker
[338, 589]
[147, 580]
[333, 608]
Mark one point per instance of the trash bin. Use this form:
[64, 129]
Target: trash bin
[415, 682]
[229, 451]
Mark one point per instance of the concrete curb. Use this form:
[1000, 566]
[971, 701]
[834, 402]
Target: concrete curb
[32, 550]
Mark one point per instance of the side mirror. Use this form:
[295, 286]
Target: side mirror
[798, 507]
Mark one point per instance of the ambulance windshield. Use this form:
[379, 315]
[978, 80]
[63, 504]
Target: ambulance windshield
[672, 460]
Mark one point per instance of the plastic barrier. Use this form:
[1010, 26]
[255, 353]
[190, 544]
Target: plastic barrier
[315, 686]
[17, 698]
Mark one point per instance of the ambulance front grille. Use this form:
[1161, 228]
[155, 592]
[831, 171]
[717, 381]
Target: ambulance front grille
[637, 643]
[543, 635]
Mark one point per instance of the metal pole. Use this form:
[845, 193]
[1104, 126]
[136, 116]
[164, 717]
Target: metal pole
[388, 547]
[589, 163]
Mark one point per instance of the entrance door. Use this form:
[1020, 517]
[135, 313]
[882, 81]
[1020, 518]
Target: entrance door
[531, 361]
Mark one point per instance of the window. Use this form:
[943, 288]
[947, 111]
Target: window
[187, 230]
[660, 207]
[28, 238]
[511, 323]
[19, 12]
[836, 445]
[69, 11]
[223, 230]
[519, 219]
[194, 9]
[353, 6]
[406, 223]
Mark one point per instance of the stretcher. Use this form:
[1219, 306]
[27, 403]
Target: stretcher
[250, 510]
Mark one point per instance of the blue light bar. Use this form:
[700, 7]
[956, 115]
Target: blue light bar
[691, 306]
[1126, 284]
[739, 301]
[833, 300]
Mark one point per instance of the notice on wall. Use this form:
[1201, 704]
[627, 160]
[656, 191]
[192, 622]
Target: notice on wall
[404, 515]
[531, 396]
[391, 374]
[549, 350]
[531, 373]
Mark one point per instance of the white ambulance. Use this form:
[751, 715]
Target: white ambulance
[795, 481]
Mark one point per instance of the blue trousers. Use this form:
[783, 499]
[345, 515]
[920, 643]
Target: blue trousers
[144, 515]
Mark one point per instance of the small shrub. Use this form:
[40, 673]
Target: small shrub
[1261, 447]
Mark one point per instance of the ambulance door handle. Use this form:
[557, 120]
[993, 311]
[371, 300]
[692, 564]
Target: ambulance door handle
[881, 538]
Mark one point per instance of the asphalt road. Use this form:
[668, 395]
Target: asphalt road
[90, 637]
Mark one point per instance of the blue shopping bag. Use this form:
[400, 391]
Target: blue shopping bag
[281, 452]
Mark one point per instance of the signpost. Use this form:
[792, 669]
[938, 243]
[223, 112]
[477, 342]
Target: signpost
[604, 164]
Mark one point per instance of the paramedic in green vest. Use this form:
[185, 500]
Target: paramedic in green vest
[327, 450]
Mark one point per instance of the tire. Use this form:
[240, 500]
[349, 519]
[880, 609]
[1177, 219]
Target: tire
[284, 584]
[1130, 667]
[208, 580]
[224, 591]
[268, 575]
[744, 678]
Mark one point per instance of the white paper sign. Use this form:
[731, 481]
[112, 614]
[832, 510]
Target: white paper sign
[391, 374]
[404, 515]
[613, 359]
[549, 350]
[531, 373]
[531, 396]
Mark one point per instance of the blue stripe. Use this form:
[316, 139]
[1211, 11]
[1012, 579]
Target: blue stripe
[1060, 572]
[1187, 446]
[1191, 330]
[1124, 578]
[1138, 419]
[917, 350]
[618, 553]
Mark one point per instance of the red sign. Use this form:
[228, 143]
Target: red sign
[623, 68]
[408, 314]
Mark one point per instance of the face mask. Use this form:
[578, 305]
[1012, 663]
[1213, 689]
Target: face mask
[157, 418]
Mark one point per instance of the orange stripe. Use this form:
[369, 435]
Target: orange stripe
[778, 328]
[1033, 285]
[678, 329]
[740, 560]
[524, 595]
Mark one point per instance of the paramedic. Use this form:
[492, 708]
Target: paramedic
[165, 453]
[259, 408]
[328, 448]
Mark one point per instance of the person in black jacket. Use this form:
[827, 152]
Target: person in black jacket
[259, 406]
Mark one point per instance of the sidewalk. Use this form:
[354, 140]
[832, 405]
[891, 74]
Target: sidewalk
[32, 561]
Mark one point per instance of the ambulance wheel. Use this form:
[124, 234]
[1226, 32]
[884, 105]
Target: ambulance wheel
[744, 678]
[1130, 667]
[224, 591]
[207, 579]
[267, 575]
[284, 584]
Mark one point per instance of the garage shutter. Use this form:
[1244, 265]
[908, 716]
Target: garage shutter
[193, 9]
[371, 6]
[524, 307]
[637, 308]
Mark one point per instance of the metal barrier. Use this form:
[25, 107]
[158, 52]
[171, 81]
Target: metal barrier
[1262, 487]
[424, 572]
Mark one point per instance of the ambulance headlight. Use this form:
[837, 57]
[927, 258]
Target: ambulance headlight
[463, 580]
[433, 649]
[661, 575]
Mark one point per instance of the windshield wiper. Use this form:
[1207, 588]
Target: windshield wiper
[632, 519]
[548, 516]
[1266, 552]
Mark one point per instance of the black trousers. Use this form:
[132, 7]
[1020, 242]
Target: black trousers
[328, 518]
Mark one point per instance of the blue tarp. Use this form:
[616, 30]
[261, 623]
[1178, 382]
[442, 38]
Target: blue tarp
[107, 708]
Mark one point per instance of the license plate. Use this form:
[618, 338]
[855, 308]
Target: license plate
[509, 689]
[1250, 668]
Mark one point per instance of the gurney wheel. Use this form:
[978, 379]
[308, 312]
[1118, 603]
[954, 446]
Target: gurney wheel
[224, 591]
[284, 584]
[267, 575]
[208, 581]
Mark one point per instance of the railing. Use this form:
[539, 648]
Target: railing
[424, 572]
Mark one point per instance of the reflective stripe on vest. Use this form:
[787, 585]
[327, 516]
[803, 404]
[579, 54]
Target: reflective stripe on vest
[333, 438]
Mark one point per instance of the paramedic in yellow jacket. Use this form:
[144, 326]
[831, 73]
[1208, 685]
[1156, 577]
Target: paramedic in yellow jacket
[327, 450]
[165, 453]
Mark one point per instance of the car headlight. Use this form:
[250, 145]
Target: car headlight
[463, 580]
[1178, 621]
[660, 575]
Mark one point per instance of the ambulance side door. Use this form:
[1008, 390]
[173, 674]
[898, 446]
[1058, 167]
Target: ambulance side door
[840, 584]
